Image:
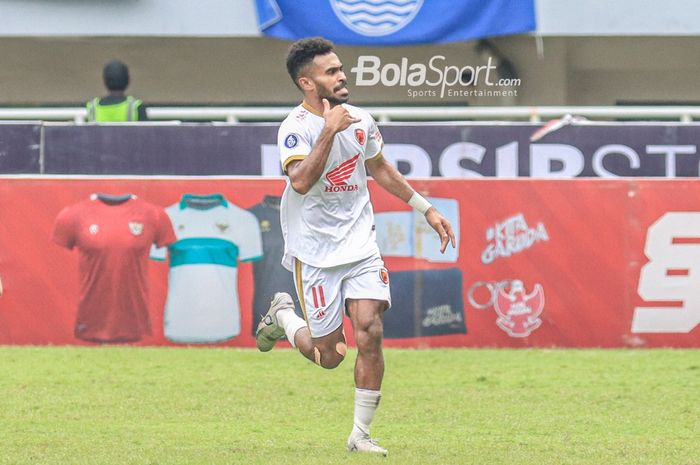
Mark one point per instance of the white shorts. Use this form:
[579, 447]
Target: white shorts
[322, 291]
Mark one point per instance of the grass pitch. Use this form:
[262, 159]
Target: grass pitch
[121, 405]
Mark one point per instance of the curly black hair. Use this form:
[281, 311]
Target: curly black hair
[302, 52]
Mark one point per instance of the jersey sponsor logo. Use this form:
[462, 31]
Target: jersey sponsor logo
[343, 188]
[360, 136]
[291, 141]
[339, 175]
[376, 18]
[378, 136]
[518, 312]
[136, 228]
[93, 229]
[384, 275]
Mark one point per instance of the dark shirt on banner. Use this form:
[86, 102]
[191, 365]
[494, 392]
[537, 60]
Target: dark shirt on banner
[425, 303]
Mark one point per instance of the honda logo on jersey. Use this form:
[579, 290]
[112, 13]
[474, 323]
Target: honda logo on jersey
[339, 175]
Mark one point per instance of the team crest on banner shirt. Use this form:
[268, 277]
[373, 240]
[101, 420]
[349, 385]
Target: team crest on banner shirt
[136, 228]
[376, 18]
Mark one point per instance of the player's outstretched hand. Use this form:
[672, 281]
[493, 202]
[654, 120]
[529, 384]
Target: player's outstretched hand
[337, 118]
[441, 226]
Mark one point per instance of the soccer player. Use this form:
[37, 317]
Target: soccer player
[327, 147]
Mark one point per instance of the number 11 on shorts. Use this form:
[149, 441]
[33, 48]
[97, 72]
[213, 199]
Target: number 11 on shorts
[317, 293]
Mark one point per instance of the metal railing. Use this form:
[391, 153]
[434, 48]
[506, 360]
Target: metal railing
[684, 114]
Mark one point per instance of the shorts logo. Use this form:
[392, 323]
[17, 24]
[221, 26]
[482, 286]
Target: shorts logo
[384, 276]
[518, 312]
[339, 175]
[93, 229]
[360, 136]
[291, 141]
[319, 298]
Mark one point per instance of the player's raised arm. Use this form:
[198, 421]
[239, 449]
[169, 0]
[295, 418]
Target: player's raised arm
[393, 182]
[304, 173]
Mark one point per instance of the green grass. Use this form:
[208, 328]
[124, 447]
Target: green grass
[70, 405]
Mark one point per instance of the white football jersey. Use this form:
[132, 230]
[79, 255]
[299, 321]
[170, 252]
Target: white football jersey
[202, 304]
[333, 223]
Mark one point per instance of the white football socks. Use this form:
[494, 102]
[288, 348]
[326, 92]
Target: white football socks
[366, 403]
[291, 323]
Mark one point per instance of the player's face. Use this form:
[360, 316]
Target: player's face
[328, 79]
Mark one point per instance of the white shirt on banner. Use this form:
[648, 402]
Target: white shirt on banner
[203, 304]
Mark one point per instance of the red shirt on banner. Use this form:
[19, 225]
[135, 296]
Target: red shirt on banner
[113, 236]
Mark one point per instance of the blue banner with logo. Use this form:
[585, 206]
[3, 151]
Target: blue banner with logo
[394, 22]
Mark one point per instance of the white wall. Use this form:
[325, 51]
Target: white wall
[187, 18]
[617, 17]
[237, 18]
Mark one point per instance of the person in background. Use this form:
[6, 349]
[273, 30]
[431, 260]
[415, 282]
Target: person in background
[116, 106]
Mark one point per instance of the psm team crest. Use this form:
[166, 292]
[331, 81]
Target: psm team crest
[519, 313]
[376, 18]
[384, 275]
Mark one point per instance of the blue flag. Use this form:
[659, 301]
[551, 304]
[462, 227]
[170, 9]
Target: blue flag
[394, 22]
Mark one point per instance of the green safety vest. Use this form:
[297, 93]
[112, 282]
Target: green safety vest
[128, 110]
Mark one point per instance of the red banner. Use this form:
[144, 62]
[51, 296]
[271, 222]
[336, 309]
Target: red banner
[582, 263]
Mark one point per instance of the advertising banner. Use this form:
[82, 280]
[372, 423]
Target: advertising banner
[187, 149]
[20, 147]
[548, 263]
[453, 150]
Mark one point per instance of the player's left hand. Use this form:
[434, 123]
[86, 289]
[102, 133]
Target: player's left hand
[441, 226]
